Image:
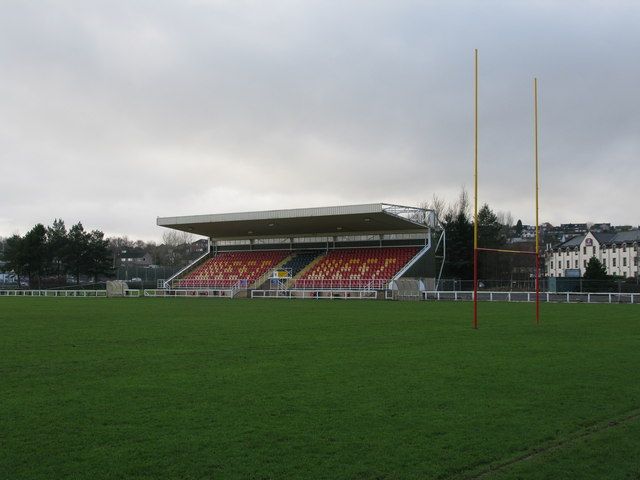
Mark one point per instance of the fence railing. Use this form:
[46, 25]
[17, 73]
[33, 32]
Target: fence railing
[317, 294]
[53, 293]
[210, 283]
[563, 297]
[334, 284]
[344, 293]
[190, 292]
[550, 284]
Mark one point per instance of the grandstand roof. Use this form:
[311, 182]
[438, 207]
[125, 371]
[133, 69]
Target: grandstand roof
[340, 220]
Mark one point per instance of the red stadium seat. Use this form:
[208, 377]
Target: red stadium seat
[229, 268]
[357, 268]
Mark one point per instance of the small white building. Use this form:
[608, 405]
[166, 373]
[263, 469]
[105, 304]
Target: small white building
[619, 252]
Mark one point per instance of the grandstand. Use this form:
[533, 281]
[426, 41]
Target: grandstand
[310, 252]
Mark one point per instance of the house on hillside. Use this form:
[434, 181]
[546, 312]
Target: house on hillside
[134, 257]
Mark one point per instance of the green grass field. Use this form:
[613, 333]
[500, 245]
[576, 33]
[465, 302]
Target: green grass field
[198, 388]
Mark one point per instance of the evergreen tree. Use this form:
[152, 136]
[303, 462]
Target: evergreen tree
[491, 234]
[596, 276]
[54, 251]
[595, 270]
[518, 228]
[35, 252]
[459, 231]
[77, 250]
[14, 255]
[57, 243]
[97, 259]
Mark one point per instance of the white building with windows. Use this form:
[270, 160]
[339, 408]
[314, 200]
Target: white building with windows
[619, 252]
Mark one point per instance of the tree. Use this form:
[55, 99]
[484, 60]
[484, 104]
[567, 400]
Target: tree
[595, 270]
[519, 228]
[52, 250]
[492, 234]
[35, 252]
[459, 231]
[176, 249]
[76, 252]
[14, 256]
[596, 276]
[175, 238]
[57, 243]
[505, 219]
[96, 259]
[437, 205]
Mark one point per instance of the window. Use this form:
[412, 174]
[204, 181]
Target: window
[624, 262]
[613, 247]
[614, 262]
[584, 250]
[568, 264]
[584, 263]
[576, 263]
[624, 247]
[635, 262]
[552, 263]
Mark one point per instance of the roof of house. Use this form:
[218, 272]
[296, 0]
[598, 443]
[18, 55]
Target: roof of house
[603, 237]
[629, 236]
[572, 242]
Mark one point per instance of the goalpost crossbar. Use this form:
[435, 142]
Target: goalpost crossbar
[505, 250]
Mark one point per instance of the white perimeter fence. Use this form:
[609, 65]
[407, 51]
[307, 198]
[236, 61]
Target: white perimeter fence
[191, 293]
[53, 293]
[317, 294]
[565, 297]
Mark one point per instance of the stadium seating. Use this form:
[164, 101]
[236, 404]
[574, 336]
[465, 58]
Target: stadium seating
[299, 261]
[356, 268]
[348, 268]
[230, 268]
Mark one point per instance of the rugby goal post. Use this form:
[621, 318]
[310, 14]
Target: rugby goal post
[477, 248]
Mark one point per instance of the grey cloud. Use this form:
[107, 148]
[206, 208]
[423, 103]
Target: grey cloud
[116, 112]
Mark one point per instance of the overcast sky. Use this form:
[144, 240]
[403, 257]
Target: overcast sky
[116, 112]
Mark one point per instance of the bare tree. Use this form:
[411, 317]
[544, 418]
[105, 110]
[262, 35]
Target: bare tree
[460, 206]
[118, 243]
[463, 201]
[436, 204]
[505, 218]
[174, 238]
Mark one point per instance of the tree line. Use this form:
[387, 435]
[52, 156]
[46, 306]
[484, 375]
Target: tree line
[54, 251]
[46, 255]
[173, 251]
[495, 229]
